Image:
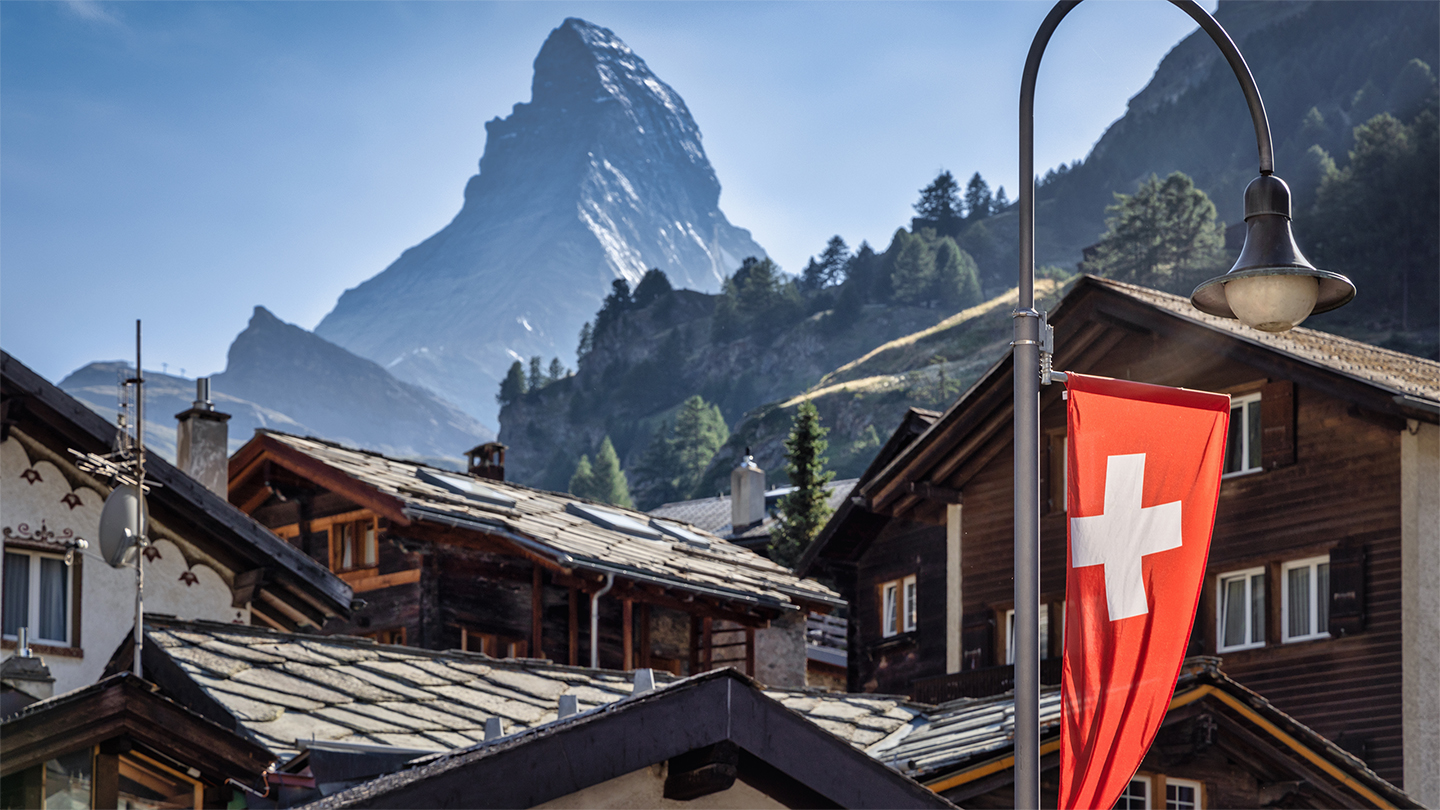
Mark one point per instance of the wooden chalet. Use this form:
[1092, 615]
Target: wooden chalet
[207, 559]
[444, 559]
[1220, 745]
[1324, 568]
[117, 743]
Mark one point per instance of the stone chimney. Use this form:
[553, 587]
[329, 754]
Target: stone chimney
[26, 672]
[203, 442]
[747, 494]
[487, 460]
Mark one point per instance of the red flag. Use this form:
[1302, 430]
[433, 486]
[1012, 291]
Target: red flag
[1143, 477]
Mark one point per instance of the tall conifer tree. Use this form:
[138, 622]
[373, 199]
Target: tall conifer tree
[804, 511]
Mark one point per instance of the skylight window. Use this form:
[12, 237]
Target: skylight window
[468, 487]
[613, 520]
[681, 532]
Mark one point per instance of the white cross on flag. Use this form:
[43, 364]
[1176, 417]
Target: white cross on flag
[1143, 478]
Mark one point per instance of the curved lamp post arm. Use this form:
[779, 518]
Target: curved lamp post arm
[1026, 368]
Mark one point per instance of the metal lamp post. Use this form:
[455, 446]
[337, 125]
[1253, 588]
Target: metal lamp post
[1272, 288]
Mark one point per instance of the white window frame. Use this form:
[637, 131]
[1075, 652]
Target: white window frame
[1249, 574]
[33, 608]
[898, 610]
[1315, 596]
[909, 590]
[1044, 634]
[1149, 799]
[1242, 430]
[1190, 783]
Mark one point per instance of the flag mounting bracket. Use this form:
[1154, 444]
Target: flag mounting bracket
[1047, 352]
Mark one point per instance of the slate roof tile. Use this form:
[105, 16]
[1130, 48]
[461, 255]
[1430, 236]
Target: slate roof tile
[414, 698]
[542, 518]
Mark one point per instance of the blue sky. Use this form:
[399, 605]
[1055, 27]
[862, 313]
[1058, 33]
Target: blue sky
[184, 162]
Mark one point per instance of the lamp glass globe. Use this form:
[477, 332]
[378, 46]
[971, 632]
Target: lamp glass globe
[1272, 303]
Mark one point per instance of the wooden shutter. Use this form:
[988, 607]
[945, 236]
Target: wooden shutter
[977, 641]
[1277, 424]
[1347, 590]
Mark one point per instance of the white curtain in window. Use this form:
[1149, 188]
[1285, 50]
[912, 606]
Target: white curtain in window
[54, 599]
[17, 593]
[1298, 609]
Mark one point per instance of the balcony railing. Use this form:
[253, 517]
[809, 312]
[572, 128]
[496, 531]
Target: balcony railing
[978, 683]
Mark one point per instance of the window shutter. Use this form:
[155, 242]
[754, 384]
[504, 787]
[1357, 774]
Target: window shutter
[1277, 424]
[977, 641]
[1347, 590]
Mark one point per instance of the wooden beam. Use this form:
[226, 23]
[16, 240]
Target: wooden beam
[750, 651]
[644, 635]
[627, 632]
[257, 500]
[537, 612]
[334, 480]
[574, 627]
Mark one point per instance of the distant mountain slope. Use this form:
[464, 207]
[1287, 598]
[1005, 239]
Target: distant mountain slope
[600, 176]
[307, 385]
[340, 396]
[1346, 61]
[96, 385]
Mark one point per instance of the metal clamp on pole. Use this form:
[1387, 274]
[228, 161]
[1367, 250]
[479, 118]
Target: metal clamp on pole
[1048, 374]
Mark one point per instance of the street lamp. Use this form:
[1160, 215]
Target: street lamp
[1272, 288]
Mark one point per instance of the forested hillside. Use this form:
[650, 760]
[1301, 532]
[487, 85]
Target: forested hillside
[1351, 92]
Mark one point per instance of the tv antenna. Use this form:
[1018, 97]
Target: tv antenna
[124, 521]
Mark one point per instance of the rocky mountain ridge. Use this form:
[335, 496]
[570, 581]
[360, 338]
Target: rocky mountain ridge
[600, 176]
[282, 377]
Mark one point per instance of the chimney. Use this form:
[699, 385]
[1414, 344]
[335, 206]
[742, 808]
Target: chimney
[26, 672]
[747, 494]
[203, 442]
[487, 460]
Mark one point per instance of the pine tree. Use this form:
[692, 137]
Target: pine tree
[804, 511]
[1001, 201]
[1163, 236]
[513, 386]
[977, 198]
[586, 344]
[609, 480]
[957, 280]
[700, 430]
[939, 205]
[653, 285]
[582, 482]
[557, 371]
[536, 380]
[913, 276]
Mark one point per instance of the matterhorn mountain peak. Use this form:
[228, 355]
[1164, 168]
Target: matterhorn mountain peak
[600, 175]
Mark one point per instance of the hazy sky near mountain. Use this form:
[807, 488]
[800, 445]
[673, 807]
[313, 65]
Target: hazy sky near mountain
[183, 162]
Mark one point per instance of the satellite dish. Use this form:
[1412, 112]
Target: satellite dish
[119, 526]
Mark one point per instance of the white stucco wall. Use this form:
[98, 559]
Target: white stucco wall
[1420, 608]
[36, 493]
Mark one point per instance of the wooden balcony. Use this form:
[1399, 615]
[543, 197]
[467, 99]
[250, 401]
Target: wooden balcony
[978, 683]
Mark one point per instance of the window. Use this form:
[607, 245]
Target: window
[1305, 599]
[353, 545]
[1136, 795]
[1059, 444]
[1044, 634]
[898, 611]
[37, 596]
[1240, 610]
[1242, 445]
[1182, 794]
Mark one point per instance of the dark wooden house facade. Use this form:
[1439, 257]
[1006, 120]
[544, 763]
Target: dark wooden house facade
[1324, 557]
[448, 560]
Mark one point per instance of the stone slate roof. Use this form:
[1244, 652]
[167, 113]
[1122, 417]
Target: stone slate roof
[281, 689]
[713, 514]
[1403, 374]
[967, 732]
[548, 523]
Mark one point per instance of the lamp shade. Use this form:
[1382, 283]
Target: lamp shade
[1272, 286]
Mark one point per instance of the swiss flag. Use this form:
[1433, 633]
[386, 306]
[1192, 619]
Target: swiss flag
[1143, 477]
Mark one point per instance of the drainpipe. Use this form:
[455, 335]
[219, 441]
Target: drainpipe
[595, 620]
